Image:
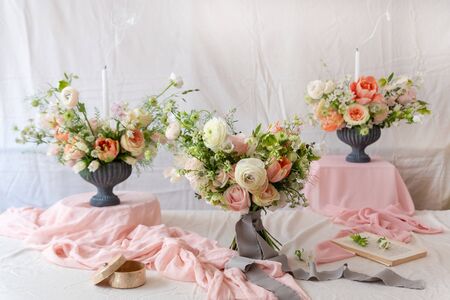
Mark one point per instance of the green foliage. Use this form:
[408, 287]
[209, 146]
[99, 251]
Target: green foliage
[360, 240]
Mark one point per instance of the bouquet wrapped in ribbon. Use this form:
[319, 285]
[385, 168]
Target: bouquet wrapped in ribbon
[245, 174]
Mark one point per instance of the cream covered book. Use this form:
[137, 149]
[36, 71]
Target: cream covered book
[396, 254]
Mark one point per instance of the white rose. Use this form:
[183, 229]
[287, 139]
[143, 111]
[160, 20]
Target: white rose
[250, 173]
[173, 131]
[93, 166]
[215, 133]
[130, 160]
[329, 87]
[69, 96]
[176, 80]
[315, 89]
[79, 166]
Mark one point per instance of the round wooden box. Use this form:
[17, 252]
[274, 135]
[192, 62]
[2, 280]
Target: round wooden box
[120, 273]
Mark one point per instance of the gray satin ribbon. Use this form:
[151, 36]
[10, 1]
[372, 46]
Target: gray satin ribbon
[252, 246]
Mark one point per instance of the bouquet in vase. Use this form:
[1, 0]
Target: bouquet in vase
[245, 174]
[101, 150]
[357, 110]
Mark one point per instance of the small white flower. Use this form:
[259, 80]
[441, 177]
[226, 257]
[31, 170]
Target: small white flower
[69, 96]
[82, 147]
[316, 89]
[79, 166]
[93, 166]
[329, 87]
[130, 160]
[172, 174]
[173, 131]
[176, 80]
[417, 119]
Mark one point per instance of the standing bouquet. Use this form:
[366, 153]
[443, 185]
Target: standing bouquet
[102, 150]
[365, 103]
[358, 110]
[245, 174]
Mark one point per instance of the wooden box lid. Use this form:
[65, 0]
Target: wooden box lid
[108, 269]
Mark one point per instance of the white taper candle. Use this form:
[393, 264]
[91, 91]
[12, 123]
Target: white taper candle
[105, 100]
[356, 64]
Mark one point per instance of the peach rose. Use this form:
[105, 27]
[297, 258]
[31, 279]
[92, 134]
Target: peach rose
[239, 144]
[134, 143]
[237, 199]
[61, 136]
[365, 89]
[274, 128]
[278, 170]
[107, 149]
[267, 197]
[356, 114]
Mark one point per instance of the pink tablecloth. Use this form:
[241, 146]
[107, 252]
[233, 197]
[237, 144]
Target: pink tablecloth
[337, 186]
[364, 197]
[73, 234]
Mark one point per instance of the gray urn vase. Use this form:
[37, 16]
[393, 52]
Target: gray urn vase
[105, 178]
[358, 142]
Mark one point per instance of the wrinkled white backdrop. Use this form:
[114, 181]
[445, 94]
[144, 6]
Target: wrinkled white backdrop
[254, 55]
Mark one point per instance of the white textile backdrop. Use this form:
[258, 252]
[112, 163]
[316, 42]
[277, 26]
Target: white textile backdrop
[255, 55]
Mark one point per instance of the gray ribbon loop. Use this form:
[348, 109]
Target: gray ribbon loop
[250, 243]
[252, 246]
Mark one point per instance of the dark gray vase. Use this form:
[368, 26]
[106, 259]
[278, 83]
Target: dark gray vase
[358, 142]
[105, 178]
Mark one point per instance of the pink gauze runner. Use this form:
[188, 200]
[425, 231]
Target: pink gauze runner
[391, 223]
[173, 252]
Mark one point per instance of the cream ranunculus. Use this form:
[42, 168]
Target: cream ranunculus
[251, 174]
[69, 96]
[315, 89]
[267, 197]
[215, 133]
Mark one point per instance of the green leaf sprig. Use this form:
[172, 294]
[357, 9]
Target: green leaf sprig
[360, 240]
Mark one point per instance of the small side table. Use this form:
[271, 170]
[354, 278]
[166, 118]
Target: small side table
[336, 185]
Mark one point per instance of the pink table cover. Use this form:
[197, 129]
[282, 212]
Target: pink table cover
[337, 185]
[73, 234]
[364, 197]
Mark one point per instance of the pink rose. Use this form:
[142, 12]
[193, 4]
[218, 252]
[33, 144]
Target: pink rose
[221, 179]
[365, 89]
[380, 112]
[238, 141]
[237, 199]
[72, 153]
[134, 144]
[407, 97]
[278, 170]
[107, 149]
[231, 173]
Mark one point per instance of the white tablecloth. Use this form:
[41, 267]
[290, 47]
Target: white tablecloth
[24, 274]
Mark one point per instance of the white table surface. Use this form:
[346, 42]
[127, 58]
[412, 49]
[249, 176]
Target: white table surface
[24, 274]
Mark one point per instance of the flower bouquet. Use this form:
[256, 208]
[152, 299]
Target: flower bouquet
[245, 174]
[358, 109]
[102, 151]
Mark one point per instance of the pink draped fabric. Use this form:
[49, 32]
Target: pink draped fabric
[364, 197]
[73, 234]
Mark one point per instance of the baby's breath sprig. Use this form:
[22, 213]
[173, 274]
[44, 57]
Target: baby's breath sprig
[384, 243]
